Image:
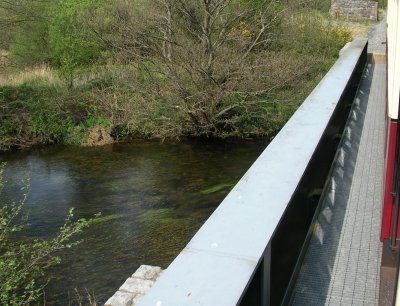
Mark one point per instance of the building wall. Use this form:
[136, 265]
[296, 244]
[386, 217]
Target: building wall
[393, 44]
[355, 9]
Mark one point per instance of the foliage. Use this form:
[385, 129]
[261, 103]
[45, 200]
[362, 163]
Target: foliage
[29, 45]
[30, 111]
[319, 5]
[215, 62]
[24, 27]
[307, 34]
[51, 32]
[73, 45]
[23, 263]
[168, 68]
[78, 134]
[383, 3]
[342, 34]
[40, 113]
[206, 56]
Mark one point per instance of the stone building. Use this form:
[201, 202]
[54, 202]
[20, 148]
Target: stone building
[355, 9]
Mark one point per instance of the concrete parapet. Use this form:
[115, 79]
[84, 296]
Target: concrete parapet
[135, 287]
[247, 252]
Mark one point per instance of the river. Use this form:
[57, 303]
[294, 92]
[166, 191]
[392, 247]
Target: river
[153, 197]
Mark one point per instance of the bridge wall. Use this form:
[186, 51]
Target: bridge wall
[247, 252]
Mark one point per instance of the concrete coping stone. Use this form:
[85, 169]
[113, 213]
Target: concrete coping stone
[147, 272]
[135, 287]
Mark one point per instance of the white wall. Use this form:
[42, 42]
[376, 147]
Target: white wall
[393, 40]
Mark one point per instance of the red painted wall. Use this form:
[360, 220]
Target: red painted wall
[388, 199]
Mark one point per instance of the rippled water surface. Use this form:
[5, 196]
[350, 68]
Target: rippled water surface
[153, 197]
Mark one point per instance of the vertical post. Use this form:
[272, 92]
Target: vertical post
[266, 277]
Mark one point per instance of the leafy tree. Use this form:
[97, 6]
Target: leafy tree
[72, 43]
[23, 263]
[209, 56]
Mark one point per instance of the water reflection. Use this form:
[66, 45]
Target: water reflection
[151, 194]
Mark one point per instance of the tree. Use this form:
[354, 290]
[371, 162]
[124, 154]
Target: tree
[209, 55]
[24, 24]
[73, 45]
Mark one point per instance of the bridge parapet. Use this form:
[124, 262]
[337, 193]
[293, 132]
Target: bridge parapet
[247, 252]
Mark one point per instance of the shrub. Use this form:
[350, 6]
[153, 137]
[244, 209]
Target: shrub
[73, 44]
[23, 263]
[383, 3]
[27, 25]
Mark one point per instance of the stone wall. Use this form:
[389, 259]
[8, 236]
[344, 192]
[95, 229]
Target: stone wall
[355, 9]
[135, 287]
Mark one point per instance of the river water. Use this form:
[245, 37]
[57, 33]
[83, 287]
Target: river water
[152, 197]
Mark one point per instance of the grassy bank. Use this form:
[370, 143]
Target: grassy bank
[247, 85]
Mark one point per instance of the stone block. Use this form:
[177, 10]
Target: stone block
[147, 272]
[136, 299]
[121, 299]
[136, 285]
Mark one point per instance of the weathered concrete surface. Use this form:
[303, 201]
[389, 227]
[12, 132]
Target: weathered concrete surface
[355, 9]
[135, 287]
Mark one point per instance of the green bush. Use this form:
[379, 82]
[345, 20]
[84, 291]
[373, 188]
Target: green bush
[78, 134]
[28, 31]
[23, 263]
[73, 44]
[31, 111]
[383, 3]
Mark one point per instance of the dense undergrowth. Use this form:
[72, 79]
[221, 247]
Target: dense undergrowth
[117, 68]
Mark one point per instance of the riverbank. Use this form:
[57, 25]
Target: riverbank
[109, 107]
[232, 94]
